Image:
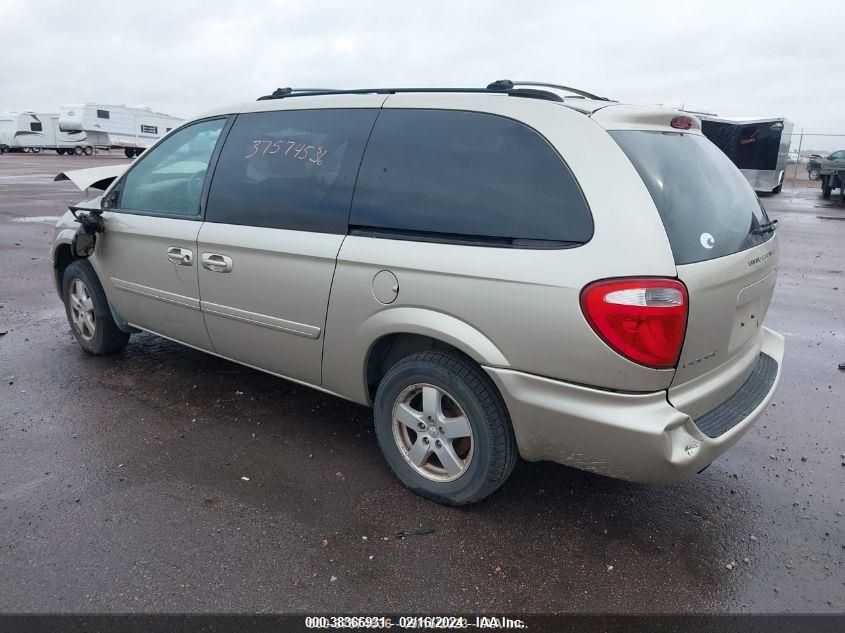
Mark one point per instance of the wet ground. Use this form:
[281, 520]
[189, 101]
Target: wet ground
[163, 479]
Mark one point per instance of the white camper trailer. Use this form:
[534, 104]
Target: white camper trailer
[132, 129]
[33, 132]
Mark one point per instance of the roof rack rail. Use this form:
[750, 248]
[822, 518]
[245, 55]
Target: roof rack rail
[507, 84]
[278, 93]
[284, 93]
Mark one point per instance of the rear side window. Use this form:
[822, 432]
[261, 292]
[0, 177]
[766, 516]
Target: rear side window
[290, 169]
[707, 206]
[468, 174]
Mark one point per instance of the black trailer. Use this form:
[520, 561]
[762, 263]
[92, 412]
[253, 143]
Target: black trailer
[759, 147]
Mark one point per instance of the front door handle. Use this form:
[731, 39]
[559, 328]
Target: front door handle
[180, 256]
[217, 263]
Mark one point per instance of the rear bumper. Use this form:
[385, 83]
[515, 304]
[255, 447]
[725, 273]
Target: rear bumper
[638, 437]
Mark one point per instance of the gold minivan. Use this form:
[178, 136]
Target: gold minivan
[518, 270]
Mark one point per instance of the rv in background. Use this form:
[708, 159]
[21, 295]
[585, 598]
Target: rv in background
[759, 147]
[115, 126]
[33, 132]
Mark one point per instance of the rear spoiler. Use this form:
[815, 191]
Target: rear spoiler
[93, 178]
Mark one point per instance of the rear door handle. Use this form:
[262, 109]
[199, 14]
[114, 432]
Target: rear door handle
[217, 263]
[180, 256]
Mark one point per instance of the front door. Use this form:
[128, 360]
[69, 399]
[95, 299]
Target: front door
[276, 216]
[147, 257]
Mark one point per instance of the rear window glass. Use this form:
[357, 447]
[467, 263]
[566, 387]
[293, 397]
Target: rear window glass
[468, 174]
[707, 206]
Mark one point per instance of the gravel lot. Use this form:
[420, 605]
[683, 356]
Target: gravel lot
[123, 480]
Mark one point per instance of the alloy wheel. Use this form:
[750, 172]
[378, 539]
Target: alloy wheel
[432, 432]
[82, 309]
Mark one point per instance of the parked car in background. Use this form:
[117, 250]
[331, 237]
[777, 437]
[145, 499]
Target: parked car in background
[455, 259]
[813, 166]
[824, 168]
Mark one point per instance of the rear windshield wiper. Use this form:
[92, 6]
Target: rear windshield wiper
[766, 227]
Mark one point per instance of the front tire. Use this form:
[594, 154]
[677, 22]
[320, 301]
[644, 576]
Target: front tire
[443, 428]
[77, 151]
[88, 311]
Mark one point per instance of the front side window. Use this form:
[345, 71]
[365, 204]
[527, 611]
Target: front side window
[169, 178]
[467, 175]
[290, 169]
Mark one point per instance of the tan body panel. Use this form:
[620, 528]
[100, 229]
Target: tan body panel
[270, 310]
[146, 289]
[728, 300]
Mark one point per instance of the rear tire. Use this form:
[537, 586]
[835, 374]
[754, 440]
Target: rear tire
[826, 187]
[485, 453]
[88, 151]
[88, 311]
[130, 153]
[77, 151]
[778, 188]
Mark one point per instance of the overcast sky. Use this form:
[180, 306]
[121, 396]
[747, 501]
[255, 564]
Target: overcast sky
[181, 57]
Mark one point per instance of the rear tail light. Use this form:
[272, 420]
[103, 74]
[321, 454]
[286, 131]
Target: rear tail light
[644, 320]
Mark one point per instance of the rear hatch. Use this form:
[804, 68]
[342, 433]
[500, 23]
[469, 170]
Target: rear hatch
[725, 253]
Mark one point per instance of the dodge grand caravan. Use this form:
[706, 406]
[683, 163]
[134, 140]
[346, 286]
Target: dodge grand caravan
[500, 272]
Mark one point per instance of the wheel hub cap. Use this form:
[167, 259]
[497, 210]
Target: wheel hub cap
[432, 432]
[82, 309]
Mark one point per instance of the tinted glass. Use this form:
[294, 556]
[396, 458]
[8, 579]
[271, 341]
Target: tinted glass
[102, 114]
[467, 174]
[35, 127]
[170, 177]
[706, 204]
[291, 169]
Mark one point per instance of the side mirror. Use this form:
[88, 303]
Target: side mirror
[85, 238]
[83, 243]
